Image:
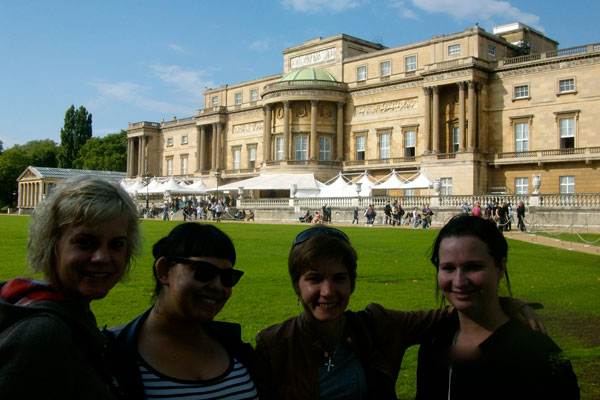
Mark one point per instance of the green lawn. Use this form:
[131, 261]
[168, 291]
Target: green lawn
[591, 239]
[393, 270]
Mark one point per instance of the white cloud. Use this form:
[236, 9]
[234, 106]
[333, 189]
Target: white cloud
[483, 11]
[187, 81]
[313, 6]
[404, 11]
[177, 48]
[260, 45]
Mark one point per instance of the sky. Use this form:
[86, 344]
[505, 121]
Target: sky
[130, 61]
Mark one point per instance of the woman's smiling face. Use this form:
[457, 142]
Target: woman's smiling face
[467, 275]
[325, 289]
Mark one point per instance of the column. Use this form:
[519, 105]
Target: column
[219, 145]
[427, 124]
[129, 157]
[267, 133]
[340, 131]
[19, 194]
[141, 156]
[214, 147]
[286, 129]
[479, 105]
[436, 119]
[461, 116]
[314, 150]
[472, 116]
[199, 148]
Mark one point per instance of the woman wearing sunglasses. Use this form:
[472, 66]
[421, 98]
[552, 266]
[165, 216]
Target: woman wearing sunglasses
[175, 349]
[328, 352]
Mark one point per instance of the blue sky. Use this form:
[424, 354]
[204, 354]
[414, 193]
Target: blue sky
[129, 61]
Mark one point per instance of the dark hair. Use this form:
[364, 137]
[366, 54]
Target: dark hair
[192, 239]
[481, 228]
[322, 245]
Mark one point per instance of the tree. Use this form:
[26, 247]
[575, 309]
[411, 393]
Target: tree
[76, 130]
[12, 163]
[105, 154]
[41, 153]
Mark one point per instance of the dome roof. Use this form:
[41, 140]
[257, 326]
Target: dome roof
[308, 74]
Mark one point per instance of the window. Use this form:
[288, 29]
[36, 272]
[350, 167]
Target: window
[446, 188]
[254, 95]
[409, 192]
[491, 50]
[385, 68]
[170, 141]
[236, 159]
[251, 157]
[301, 148]
[454, 50]
[361, 73]
[184, 165]
[169, 167]
[409, 143]
[567, 184]
[360, 147]
[238, 98]
[455, 139]
[521, 136]
[410, 64]
[566, 85]
[522, 92]
[521, 185]
[215, 100]
[324, 148]
[567, 133]
[384, 146]
[279, 146]
[184, 139]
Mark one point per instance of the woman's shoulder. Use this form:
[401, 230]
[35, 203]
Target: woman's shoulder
[524, 343]
[278, 332]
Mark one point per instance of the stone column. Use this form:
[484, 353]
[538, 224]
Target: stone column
[472, 116]
[340, 131]
[214, 147]
[286, 129]
[479, 105]
[461, 116]
[436, 120]
[314, 147]
[219, 144]
[427, 123]
[19, 194]
[129, 157]
[267, 132]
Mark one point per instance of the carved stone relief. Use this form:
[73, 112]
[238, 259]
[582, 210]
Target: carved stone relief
[247, 128]
[388, 88]
[548, 67]
[387, 106]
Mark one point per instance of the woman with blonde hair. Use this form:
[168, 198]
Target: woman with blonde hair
[82, 239]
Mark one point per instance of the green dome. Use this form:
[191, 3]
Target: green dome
[308, 74]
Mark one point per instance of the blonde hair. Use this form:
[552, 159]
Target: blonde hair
[78, 201]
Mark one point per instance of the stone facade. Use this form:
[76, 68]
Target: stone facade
[481, 112]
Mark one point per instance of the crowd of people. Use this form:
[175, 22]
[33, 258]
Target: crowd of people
[502, 212]
[85, 235]
[198, 208]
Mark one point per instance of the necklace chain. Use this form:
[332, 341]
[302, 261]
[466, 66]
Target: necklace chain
[329, 364]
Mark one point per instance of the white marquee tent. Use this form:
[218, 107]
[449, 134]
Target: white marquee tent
[306, 184]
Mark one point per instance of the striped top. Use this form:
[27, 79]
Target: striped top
[235, 383]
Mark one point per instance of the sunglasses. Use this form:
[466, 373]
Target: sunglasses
[206, 272]
[307, 234]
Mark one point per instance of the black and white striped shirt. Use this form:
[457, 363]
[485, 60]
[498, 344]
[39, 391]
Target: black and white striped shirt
[235, 383]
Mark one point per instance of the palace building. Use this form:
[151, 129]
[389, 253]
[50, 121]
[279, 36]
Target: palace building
[481, 112]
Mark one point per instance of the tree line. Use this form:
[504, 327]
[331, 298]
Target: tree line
[77, 149]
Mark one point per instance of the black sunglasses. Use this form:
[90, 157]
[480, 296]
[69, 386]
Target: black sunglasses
[206, 272]
[307, 234]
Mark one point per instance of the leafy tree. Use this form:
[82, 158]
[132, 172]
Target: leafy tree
[12, 163]
[76, 130]
[41, 153]
[105, 154]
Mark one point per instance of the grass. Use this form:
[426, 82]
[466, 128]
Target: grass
[592, 239]
[393, 271]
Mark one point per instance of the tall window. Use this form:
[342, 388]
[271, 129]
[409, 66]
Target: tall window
[361, 73]
[361, 142]
[455, 139]
[491, 50]
[567, 184]
[522, 92]
[410, 64]
[279, 145]
[409, 192]
[566, 85]
[521, 136]
[170, 141]
[301, 148]
[169, 167]
[254, 95]
[384, 146]
[184, 165]
[446, 186]
[184, 139]
[215, 100]
[567, 133]
[454, 50]
[385, 68]
[236, 159]
[409, 143]
[238, 98]
[324, 148]
[521, 185]
[251, 157]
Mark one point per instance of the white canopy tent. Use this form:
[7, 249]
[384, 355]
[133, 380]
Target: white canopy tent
[338, 188]
[420, 182]
[197, 187]
[366, 185]
[393, 182]
[306, 185]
